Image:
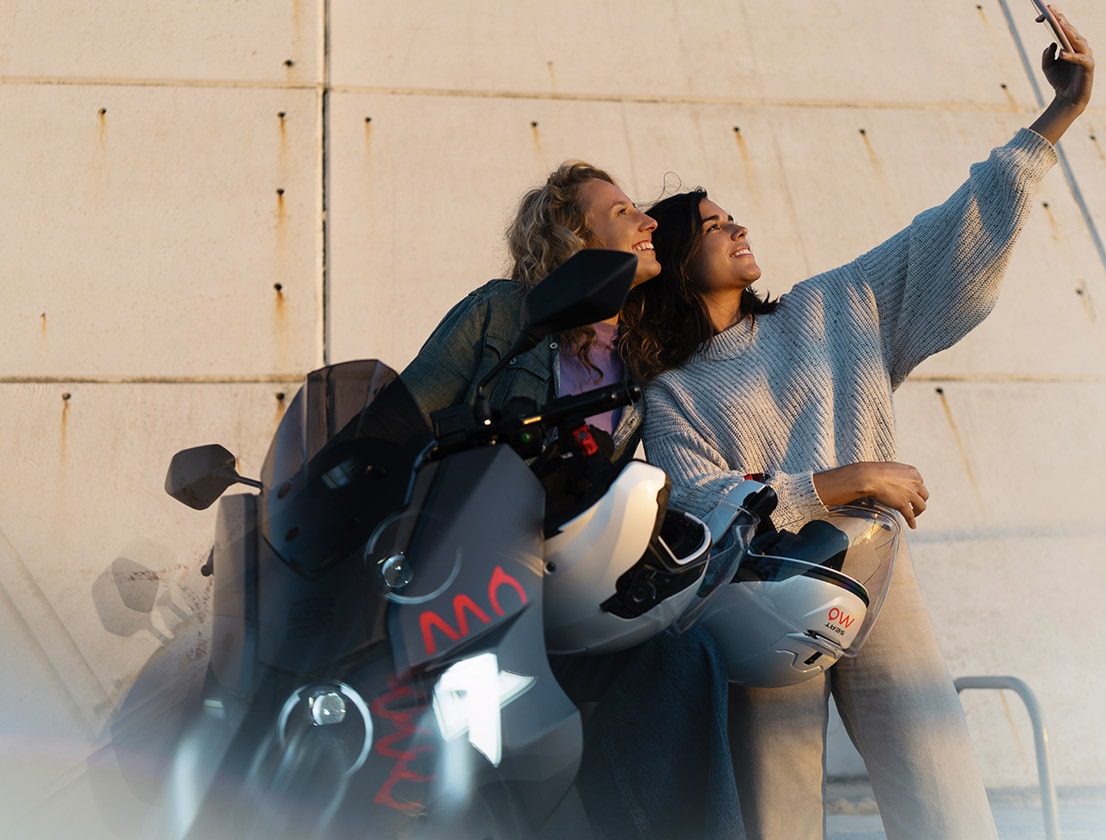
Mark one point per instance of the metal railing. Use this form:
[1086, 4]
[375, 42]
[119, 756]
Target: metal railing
[1040, 738]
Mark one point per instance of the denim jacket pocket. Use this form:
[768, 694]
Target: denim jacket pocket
[529, 375]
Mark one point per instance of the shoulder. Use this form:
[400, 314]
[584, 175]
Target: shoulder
[495, 305]
[821, 288]
[674, 387]
[496, 293]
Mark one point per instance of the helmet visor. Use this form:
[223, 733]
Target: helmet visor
[831, 577]
[722, 564]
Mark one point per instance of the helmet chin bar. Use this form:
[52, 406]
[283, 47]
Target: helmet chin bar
[671, 562]
[643, 587]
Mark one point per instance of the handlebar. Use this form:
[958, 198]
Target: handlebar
[523, 424]
[575, 408]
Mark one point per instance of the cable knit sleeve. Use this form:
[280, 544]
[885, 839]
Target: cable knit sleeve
[940, 277]
[700, 473]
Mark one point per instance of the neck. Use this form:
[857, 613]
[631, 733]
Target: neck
[723, 309]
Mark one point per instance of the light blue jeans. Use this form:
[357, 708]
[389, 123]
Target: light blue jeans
[899, 706]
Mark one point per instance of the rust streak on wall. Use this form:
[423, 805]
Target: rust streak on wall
[281, 406]
[1088, 302]
[960, 448]
[368, 140]
[1098, 147]
[99, 153]
[63, 430]
[746, 161]
[1053, 224]
[873, 157]
[538, 148]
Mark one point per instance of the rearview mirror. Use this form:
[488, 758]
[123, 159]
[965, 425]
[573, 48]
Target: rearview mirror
[198, 476]
[589, 286]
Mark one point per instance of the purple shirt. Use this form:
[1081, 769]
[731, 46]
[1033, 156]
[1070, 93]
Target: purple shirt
[575, 378]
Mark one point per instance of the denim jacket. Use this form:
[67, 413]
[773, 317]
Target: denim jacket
[473, 336]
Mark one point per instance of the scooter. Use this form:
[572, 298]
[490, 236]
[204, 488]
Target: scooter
[378, 665]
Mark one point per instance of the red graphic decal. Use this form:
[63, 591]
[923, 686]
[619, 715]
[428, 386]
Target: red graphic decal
[501, 578]
[404, 720]
[463, 604]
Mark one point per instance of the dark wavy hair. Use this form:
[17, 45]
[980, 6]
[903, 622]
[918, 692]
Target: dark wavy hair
[665, 320]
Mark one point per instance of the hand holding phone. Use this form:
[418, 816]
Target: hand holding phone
[1045, 15]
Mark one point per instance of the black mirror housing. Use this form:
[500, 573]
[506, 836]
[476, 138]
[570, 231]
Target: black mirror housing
[589, 286]
[198, 476]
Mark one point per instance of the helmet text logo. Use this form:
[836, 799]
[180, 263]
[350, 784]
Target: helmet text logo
[839, 616]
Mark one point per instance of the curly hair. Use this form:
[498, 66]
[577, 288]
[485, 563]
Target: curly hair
[665, 320]
[549, 227]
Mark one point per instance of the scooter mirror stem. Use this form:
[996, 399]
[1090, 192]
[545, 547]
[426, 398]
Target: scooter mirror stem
[241, 479]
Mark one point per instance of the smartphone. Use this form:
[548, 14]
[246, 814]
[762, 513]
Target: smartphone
[1044, 11]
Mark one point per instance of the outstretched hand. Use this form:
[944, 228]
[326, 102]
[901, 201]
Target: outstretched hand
[1071, 75]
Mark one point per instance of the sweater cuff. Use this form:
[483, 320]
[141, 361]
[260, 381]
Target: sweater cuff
[1037, 155]
[799, 502]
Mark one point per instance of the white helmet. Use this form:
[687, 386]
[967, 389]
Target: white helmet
[622, 569]
[801, 601]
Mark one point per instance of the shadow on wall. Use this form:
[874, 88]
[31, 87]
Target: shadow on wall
[125, 596]
[128, 771]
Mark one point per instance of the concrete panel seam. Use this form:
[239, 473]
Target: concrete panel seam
[1008, 378]
[656, 99]
[92, 81]
[324, 184]
[254, 379]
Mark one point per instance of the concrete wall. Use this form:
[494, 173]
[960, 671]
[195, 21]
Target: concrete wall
[205, 200]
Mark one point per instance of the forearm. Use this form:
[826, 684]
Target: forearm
[1056, 119]
[899, 486]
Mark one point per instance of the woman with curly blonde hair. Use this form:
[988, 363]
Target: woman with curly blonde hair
[656, 761]
[579, 206]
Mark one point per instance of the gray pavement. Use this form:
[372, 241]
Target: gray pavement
[1018, 814]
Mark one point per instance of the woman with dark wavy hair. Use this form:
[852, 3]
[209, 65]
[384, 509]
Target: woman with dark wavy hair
[801, 389]
[666, 323]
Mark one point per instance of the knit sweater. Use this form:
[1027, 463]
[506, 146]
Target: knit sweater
[808, 386]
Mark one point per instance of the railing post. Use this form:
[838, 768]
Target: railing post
[1040, 738]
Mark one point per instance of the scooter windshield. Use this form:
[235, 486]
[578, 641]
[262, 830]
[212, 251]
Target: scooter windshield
[340, 462]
